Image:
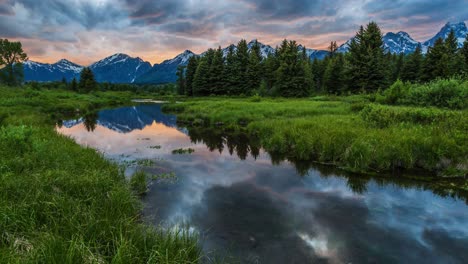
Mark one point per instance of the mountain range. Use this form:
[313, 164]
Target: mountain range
[121, 68]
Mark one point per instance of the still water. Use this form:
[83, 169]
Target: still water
[258, 209]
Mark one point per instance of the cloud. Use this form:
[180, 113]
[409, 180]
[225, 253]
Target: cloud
[156, 30]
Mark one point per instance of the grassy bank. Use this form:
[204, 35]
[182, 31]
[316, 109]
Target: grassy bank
[61, 203]
[351, 132]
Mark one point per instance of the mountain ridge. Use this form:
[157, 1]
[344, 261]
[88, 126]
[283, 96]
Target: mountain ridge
[122, 68]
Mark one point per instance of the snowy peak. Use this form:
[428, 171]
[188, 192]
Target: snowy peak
[66, 65]
[345, 46]
[460, 30]
[400, 42]
[264, 49]
[116, 58]
[119, 68]
[181, 59]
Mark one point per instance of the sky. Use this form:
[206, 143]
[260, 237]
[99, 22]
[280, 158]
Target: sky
[85, 31]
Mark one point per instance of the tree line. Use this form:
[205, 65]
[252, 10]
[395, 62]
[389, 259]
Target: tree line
[289, 72]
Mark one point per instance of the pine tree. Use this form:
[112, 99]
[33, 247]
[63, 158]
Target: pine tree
[202, 85]
[366, 59]
[242, 61]
[87, 81]
[318, 70]
[411, 70]
[190, 75]
[216, 72]
[436, 62]
[271, 64]
[397, 66]
[464, 53]
[254, 71]
[333, 79]
[451, 43]
[294, 78]
[230, 71]
[455, 61]
[181, 83]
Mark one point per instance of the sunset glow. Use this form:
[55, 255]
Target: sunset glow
[85, 31]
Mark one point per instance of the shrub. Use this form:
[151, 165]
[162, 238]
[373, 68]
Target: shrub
[398, 90]
[451, 94]
[15, 139]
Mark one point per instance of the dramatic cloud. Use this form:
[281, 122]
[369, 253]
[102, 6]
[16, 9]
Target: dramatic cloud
[87, 30]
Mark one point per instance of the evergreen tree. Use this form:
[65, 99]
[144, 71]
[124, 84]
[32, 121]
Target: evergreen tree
[87, 82]
[333, 79]
[202, 83]
[271, 64]
[230, 71]
[181, 83]
[242, 61]
[397, 66]
[254, 71]
[411, 70]
[455, 60]
[292, 78]
[190, 75]
[366, 60]
[318, 70]
[216, 72]
[436, 62]
[464, 53]
[451, 43]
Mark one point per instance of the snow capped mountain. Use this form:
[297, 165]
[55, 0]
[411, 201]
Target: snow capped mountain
[165, 72]
[400, 42]
[66, 65]
[119, 68]
[44, 72]
[345, 46]
[181, 59]
[264, 49]
[459, 29]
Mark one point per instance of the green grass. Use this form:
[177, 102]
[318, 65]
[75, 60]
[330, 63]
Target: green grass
[350, 132]
[62, 203]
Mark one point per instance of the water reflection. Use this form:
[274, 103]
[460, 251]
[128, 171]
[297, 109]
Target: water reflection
[291, 212]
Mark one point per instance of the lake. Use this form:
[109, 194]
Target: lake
[257, 208]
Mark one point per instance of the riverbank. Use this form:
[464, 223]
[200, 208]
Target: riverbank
[62, 203]
[350, 132]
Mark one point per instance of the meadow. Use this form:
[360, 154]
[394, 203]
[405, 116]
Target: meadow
[368, 133]
[62, 203]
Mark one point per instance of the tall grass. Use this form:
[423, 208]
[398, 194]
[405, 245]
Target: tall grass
[349, 132]
[61, 203]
